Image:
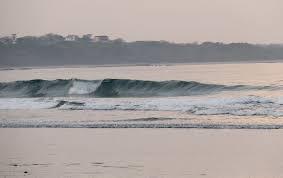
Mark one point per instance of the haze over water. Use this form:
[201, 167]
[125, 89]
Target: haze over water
[254, 21]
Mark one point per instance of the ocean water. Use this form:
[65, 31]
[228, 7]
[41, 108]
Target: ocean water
[233, 96]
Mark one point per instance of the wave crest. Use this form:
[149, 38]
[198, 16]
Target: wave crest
[113, 88]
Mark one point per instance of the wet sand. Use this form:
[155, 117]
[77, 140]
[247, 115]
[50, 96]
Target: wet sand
[150, 153]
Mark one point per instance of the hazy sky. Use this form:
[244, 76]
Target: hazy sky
[256, 21]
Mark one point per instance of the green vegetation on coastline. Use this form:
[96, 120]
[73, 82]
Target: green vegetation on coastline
[56, 50]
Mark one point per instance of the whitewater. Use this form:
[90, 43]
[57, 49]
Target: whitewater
[234, 96]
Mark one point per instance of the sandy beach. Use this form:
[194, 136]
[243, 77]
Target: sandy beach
[143, 153]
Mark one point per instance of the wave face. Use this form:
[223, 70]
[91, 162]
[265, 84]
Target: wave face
[112, 88]
[47, 88]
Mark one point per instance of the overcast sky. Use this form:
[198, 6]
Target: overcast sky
[256, 21]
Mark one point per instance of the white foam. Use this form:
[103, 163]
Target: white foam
[243, 106]
[26, 103]
[280, 100]
[83, 87]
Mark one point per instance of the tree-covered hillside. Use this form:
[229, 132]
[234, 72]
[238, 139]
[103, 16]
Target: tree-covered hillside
[53, 49]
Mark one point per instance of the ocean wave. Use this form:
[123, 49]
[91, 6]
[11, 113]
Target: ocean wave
[114, 88]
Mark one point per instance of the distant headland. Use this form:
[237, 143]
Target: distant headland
[56, 50]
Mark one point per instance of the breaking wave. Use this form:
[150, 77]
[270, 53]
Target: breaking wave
[113, 88]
